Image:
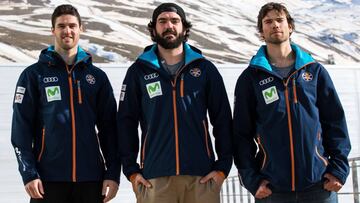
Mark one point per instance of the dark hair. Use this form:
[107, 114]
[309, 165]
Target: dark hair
[265, 9]
[65, 9]
[169, 7]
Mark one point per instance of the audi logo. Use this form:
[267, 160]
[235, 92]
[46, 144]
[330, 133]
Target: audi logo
[151, 76]
[266, 81]
[50, 79]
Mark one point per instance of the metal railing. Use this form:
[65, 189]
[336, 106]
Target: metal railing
[233, 192]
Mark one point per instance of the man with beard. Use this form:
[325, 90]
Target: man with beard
[169, 90]
[59, 103]
[290, 134]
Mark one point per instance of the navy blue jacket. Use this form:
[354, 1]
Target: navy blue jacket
[56, 109]
[297, 122]
[173, 118]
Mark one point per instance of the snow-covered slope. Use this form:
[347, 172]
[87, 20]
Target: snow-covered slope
[224, 30]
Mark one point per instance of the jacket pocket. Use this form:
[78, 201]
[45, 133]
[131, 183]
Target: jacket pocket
[322, 158]
[79, 91]
[206, 139]
[143, 151]
[42, 144]
[262, 149]
[182, 86]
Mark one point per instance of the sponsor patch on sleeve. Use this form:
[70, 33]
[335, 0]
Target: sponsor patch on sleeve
[122, 96]
[123, 92]
[20, 90]
[18, 98]
[123, 87]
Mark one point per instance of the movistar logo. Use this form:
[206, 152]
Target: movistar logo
[154, 89]
[53, 93]
[270, 95]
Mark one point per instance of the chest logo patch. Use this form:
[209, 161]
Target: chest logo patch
[307, 76]
[270, 95]
[196, 72]
[154, 89]
[53, 93]
[90, 79]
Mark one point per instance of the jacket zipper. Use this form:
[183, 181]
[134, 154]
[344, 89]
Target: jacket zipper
[263, 150]
[72, 122]
[42, 144]
[292, 154]
[206, 139]
[173, 83]
[291, 139]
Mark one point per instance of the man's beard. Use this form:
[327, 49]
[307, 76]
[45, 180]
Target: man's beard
[275, 41]
[169, 44]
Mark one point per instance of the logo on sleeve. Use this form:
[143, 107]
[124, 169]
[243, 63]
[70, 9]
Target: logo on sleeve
[18, 98]
[270, 95]
[154, 89]
[19, 95]
[20, 90]
[53, 93]
[123, 92]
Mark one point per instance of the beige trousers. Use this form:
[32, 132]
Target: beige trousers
[179, 189]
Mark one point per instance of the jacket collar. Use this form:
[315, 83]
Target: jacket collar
[48, 55]
[150, 55]
[260, 59]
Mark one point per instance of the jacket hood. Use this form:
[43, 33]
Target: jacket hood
[48, 55]
[149, 55]
[302, 58]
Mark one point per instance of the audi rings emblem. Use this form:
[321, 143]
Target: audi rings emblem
[50, 79]
[90, 79]
[151, 76]
[196, 72]
[266, 81]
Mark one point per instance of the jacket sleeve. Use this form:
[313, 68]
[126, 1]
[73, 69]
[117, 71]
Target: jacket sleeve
[220, 118]
[106, 125]
[334, 130]
[128, 121]
[244, 125]
[24, 125]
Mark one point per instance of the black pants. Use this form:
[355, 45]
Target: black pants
[69, 192]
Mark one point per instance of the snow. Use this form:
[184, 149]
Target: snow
[335, 23]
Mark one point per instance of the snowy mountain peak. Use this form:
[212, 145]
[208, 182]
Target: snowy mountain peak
[115, 31]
